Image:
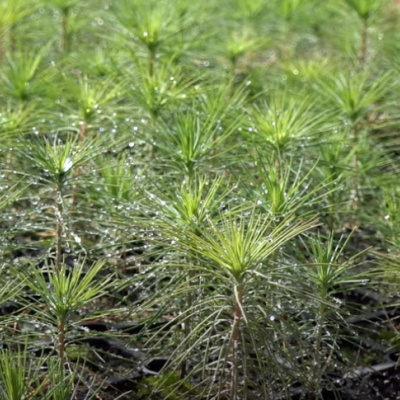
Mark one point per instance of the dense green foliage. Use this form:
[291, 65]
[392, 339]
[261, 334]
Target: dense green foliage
[217, 177]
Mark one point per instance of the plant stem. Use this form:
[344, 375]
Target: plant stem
[59, 230]
[318, 343]
[237, 317]
[331, 215]
[152, 60]
[82, 136]
[84, 131]
[61, 341]
[364, 44]
[278, 166]
[151, 71]
[233, 69]
[188, 323]
[356, 140]
[64, 30]
[153, 135]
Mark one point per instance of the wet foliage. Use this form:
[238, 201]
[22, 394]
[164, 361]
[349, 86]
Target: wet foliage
[199, 200]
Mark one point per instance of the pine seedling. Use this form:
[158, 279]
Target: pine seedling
[279, 191]
[152, 24]
[58, 162]
[65, 292]
[60, 157]
[100, 64]
[118, 180]
[286, 122]
[291, 25]
[117, 190]
[190, 41]
[231, 253]
[248, 10]
[222, 101]
[190, 207]
[189, 210]
[64, 7]
[328, 272]
[21, 76]
[232, 318]
[11, 13]
[65, 384]
[17, 375]
[90, 101]
[23, 85]
[153, 94]
[200, 135]
[353, 97]
[21, 377]
[366, 10]
[61, 383]
[240, 43]
[335, 169]
[289, 8]
[193, 142]
[13, 375]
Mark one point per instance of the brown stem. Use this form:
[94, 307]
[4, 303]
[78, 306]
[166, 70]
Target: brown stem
[59, 231]
[321, 367]
[331, 214]
[237, 317]
[362, 57]
[278, 166]
[357, 199]
[183, 370]
[83, 132]
[82, 137]
[64, 31]
[318, 346]
[61, 342]
[233, 68]
[153, 135]
[151, 70]
[152, 60]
